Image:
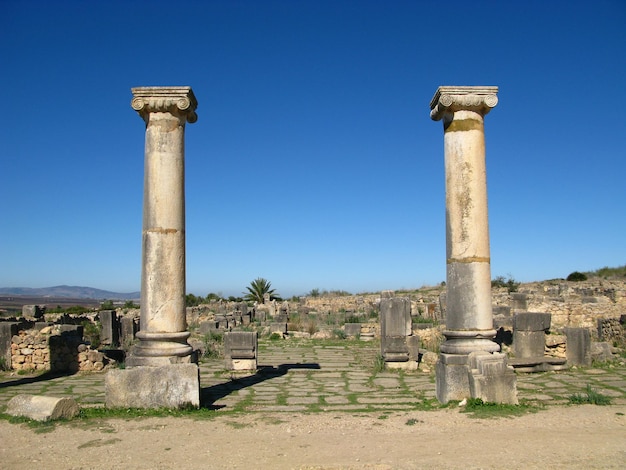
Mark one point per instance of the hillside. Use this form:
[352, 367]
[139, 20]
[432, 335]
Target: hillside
[74, 292]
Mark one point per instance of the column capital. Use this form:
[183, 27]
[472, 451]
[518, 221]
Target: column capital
[449, 99]
[177, 100]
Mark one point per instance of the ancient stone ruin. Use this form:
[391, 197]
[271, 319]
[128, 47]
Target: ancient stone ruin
[161, 365]
[469, 319]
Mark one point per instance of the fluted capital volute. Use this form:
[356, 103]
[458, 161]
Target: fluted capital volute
[179, 101]
[449, 99]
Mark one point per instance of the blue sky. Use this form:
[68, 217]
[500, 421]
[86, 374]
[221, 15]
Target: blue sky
[314, 162]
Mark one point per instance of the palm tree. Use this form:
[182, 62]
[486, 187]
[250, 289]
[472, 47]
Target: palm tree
[257, 290]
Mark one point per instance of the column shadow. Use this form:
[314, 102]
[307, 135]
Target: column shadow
[38, 378]
[209, 395]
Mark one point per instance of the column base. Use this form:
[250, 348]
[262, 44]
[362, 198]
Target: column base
[159, 349]
[452, 382]
[465, 342]
[480, 374]
[171, 386]
[491, 378]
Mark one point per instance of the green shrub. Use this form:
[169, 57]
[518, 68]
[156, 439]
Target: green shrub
[213, 345]
[511, 284]
[577, 276]
[91, 332]
[339, 334]
[311, 327]
[276, 336]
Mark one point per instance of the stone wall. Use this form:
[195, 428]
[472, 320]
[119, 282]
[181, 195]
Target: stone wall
[54, 349]
[572, 304]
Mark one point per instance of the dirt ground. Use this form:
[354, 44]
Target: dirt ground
[562, 437]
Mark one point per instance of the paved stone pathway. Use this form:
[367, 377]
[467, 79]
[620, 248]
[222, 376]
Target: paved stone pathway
[303, 376]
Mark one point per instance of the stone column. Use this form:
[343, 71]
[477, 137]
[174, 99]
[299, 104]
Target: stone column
[160, 371]
[163, 327]
[469, 319]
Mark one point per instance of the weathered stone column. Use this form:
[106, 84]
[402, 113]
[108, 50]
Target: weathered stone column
[160, 372]
[469, 319]
[163, 327]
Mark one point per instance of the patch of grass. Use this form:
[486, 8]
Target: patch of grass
[428, 404]
[281, 399]
[412, 422]
[101, 413]
[352, 398]
[275, 336]
[590, 397]
[487, 410]
[271, 420]
[236, 425]
[38, 427]
[379, 363]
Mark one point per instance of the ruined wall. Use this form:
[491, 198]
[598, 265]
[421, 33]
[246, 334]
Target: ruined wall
[51, 349]
[572, 304]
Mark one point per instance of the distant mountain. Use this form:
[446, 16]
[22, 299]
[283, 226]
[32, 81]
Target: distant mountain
[73, 292]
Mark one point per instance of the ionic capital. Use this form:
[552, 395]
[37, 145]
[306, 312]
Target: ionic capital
[449, 99]
[179, 101]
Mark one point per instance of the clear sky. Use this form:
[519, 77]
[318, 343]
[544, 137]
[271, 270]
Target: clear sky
[314, 162]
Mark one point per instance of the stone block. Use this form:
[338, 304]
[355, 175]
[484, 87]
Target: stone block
[394, 348]
[42, 408]
[601, 352]
[278, 328]
[168, 386]
[206, 327]
[240, 350]
[529, 343]
[519, 301]
[260, 315]
[413, 344]
[532, 321]
[501, 310]
[578, 346]
[352, 329]
[33, 312]
[443, 306]
[491, 379]
[128, 329]
[395, 316]
[451, 377]
[109, 332]
[7, 331]
[223, 322]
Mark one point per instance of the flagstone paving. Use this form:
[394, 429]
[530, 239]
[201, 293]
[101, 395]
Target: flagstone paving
[304, 376]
